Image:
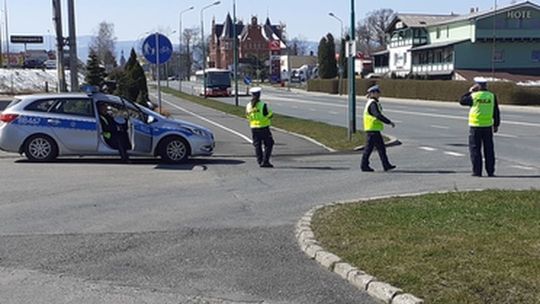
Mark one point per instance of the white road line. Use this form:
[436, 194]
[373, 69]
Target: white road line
[430, 149]
[312, 110]
[397, 121]
[524, 168]
[462, 118]
[209, 121]
[453, 153]
[440, 127]
[294, 107]
[333, 112]
[505, 135]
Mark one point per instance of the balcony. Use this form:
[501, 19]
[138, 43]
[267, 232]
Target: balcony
[433, 68]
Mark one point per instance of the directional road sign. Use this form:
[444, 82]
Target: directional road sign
[157, 42]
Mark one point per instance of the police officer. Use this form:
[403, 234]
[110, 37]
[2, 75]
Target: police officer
[259, 115]
[114, 131]
[484, 120]
[374, 121]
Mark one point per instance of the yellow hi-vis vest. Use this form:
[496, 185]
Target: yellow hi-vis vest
[481, 113]
[371, 123]
[256, 117]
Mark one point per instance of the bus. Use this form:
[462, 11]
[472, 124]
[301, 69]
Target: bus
[218, 82]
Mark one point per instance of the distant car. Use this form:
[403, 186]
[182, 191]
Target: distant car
[50, 64]
[33, 64]
[46, 126]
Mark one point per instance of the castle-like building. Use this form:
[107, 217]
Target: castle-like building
[254, 39]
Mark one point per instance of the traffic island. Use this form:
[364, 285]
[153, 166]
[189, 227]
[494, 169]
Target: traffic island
[459, 247]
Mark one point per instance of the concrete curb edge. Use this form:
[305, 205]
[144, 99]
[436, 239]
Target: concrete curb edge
[356, 277]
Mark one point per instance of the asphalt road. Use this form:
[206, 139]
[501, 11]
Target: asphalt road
[218, 229]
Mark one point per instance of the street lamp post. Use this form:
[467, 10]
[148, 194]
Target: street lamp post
[340, 59]
[351, 75]
[203, 46]
[180, 47]
[235, 52]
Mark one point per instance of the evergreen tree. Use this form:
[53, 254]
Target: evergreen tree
[327, 58]
[95, 74]
[132, 85]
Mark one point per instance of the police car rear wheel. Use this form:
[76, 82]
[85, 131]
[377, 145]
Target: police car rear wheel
[174, 150]
[40, 148]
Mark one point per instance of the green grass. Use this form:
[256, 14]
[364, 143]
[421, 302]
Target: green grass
[473, 247]
[329, 135]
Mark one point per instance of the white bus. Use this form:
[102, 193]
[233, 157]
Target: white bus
[218, 82]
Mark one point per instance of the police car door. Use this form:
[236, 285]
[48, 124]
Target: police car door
[74, 123]
[140, 133]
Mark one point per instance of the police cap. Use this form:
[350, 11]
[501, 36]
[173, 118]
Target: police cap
[374, 89]
[255, 90]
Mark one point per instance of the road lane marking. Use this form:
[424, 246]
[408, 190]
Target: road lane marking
[430, 149]
[524, 168]
[440, 127]
[333, 112]
[505, 135]
[453, 153]
[294, 107]
[244, 137]
[462, 118]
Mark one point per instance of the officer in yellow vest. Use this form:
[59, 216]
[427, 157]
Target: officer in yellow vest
[374, 122]
[484, 120]
[259, 115]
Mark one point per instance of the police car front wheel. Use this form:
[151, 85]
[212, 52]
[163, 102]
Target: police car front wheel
[174, 150]
[40, 148]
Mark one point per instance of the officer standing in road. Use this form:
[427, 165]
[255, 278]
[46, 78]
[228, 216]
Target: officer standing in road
[484, 120]
[114, 132]
[374, 121]
[259, 115]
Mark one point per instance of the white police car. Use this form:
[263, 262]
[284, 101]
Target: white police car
[50, 125]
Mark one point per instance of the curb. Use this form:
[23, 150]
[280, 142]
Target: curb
[306, 138]
[393, 142]
[356, 277]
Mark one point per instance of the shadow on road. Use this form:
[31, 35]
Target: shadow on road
[191, 164]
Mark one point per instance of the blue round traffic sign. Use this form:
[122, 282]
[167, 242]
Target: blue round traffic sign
[247, 80]
[156, 42]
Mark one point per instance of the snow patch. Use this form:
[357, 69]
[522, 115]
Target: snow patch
[23, 81]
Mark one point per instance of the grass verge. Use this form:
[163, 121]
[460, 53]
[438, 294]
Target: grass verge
[332, 136]
[471, 247]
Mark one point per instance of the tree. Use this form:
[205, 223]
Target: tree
[299, 46]
[132, 85]
[95, 74]
[371, 30]
[187, 57]
[327, 57]
[103, 44]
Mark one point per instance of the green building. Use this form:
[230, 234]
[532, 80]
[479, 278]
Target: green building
[503, 43]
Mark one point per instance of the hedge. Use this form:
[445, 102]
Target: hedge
[444, 90]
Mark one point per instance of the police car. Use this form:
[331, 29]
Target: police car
[50, 125]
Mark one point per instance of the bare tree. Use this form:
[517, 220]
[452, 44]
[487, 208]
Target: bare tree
[299, 46]
[191, 39]
[371, 30]
[103, 45]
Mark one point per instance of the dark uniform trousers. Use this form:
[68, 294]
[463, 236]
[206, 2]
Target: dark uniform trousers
[262, 136]
[375, 140]
[482, 137]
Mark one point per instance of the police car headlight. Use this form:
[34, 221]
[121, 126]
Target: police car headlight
[198, 132]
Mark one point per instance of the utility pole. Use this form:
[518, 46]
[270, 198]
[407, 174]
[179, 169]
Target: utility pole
[7, 33]
[73, 60]
[235, 49]
[57, 19]
[351, 75]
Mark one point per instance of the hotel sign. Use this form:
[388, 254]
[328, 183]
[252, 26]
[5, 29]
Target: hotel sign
[519, 15]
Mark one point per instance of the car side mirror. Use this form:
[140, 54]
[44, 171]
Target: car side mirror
[150, 119]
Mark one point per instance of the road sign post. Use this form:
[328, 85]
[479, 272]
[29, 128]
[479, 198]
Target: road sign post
[157, 49]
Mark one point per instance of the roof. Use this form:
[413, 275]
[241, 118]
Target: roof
[437, 45]
[419, 20]
[489, 13]
[383, 52]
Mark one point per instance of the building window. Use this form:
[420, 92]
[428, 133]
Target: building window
[438, 32]
[447, 31]
[498, 56]
[535, 56]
